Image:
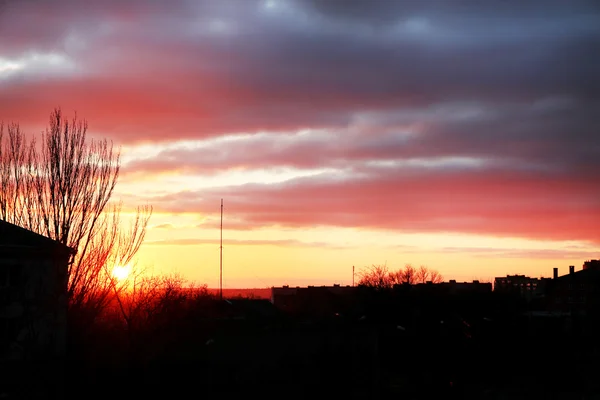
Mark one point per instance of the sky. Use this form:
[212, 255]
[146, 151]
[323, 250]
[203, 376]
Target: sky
[460, 135]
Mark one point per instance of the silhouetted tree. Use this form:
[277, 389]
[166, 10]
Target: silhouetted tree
[424, 274]
[61, 188]
[407, 275]
[145, 297]
[435, 277]
[379, 276]
[376, 276]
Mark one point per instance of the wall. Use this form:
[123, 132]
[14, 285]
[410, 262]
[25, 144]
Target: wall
[34, 305]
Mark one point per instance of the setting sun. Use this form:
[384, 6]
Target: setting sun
[121, 272]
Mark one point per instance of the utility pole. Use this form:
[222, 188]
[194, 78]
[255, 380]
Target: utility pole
[221, 257]
[353, 276]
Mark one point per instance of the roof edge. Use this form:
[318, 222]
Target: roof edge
[31, 234]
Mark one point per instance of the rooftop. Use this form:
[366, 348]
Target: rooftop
[13, 236]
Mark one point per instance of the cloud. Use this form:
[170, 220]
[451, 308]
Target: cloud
[157, 71]
[417, 116]
[228, 225]
[492, 202]
[162, 226]
[546, 254]
[552, 134]
[386, 13]
[237, 242]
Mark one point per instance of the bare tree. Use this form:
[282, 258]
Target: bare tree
[380, 276]
[396, 277]
[408, 275]
[62, 188]
[435, 276]
[376, 276]
[424, 275]
[147, 304]
[141, 297]
[15, 168]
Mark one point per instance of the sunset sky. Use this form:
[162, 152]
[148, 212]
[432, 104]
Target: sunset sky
[461, 135]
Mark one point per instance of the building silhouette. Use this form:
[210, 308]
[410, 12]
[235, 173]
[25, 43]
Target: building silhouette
[33, 294]
[577, 292]
[522, 286]
[314, 301]
[453, 287]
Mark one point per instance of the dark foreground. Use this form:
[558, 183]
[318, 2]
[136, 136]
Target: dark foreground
[476, 349]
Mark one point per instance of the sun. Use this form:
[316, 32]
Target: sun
[121, 272]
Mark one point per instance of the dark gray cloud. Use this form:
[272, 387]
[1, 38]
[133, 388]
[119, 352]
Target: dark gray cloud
[555, 136]
[385, 12]
[231, 65]
[514, 84]
[454, 52]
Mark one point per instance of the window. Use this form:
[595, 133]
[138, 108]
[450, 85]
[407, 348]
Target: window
[3, 276]
[15, 274]
[11, 274]
[4, 297]
[8, 330]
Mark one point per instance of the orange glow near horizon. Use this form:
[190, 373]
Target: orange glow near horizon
[323, 256]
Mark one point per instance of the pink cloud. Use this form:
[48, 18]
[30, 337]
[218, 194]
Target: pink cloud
[237, 242]
[495, 203]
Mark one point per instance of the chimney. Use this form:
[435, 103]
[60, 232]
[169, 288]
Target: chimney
[571, 269]
[555, 273]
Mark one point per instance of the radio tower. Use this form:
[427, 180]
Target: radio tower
[221, 257]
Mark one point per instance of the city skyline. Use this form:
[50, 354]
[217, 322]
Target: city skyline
[463, 139]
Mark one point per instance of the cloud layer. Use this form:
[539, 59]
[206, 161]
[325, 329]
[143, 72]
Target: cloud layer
[477, 117]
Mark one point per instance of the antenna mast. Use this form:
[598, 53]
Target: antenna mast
[221, 257]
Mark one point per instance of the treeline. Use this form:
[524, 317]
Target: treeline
[380, 276]
[146, 340]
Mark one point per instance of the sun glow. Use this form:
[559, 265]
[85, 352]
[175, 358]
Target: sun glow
[121, 272]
